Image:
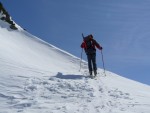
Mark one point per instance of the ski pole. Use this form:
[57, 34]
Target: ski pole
[81, 59]
[81, 54]
[103, 62]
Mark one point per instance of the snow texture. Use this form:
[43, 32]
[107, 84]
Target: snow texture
[37, 77]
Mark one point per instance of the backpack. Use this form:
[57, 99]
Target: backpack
[90, 46]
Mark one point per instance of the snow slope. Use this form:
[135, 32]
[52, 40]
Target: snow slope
[37, 77]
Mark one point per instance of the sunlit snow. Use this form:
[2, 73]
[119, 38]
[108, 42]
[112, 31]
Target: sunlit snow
[37, 77]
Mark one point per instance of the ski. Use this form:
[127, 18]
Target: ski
[87, 75]
[93, 76]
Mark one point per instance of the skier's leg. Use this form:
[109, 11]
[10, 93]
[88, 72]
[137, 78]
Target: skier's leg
[94, 63]
[89, 63]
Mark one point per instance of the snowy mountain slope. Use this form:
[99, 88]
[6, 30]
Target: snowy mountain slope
[4, 16]
[37, 77]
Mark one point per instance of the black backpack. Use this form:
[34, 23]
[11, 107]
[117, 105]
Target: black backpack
[90, 47]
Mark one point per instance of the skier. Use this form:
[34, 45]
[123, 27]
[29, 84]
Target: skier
[89, 46]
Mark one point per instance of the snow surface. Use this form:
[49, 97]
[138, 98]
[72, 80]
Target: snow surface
[37, 77]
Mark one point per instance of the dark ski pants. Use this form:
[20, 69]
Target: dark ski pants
[92, 61]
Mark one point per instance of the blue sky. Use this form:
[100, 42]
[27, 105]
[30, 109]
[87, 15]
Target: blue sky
[122, 27]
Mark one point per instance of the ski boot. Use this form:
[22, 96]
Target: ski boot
[91, 76]
[95, 73]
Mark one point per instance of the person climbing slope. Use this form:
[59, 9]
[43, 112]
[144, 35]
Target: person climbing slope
[89, 44]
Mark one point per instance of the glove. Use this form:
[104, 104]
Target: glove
[100, 48]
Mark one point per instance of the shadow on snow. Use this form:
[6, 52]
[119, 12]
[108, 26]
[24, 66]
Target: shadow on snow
[61, 76]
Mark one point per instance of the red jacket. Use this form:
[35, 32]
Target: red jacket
[94, 43]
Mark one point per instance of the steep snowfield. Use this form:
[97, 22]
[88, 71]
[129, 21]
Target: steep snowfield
[36, 77]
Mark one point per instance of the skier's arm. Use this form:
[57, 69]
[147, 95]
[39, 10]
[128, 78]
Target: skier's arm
[98, 45]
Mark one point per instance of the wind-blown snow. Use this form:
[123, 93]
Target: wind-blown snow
[37, 77]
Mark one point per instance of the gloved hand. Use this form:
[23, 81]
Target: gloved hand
[100, 48]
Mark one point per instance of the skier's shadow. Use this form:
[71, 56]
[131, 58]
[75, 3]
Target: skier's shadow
[61, 76]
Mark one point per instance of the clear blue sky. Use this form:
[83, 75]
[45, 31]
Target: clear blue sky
[122, 27]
